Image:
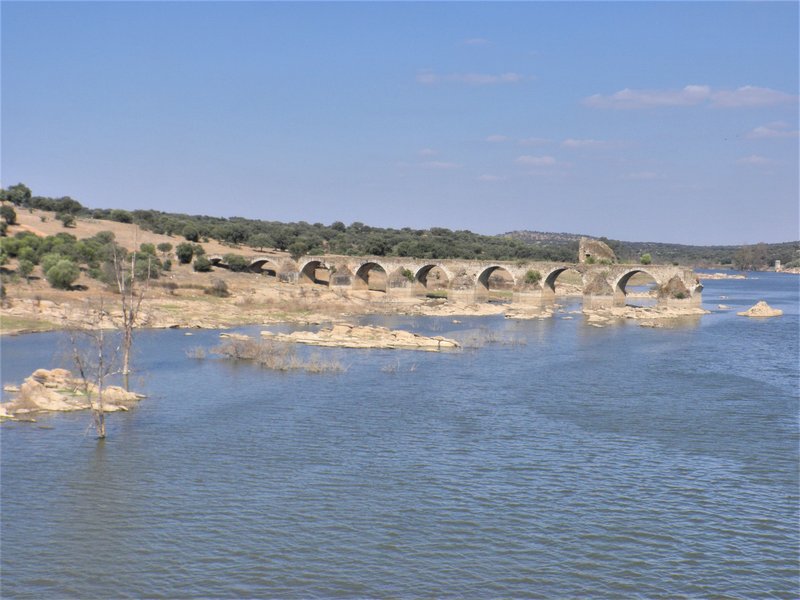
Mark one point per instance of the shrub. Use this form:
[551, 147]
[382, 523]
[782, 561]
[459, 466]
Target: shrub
[167, 266]
[67, 220]
[202, 264]
[120, 216]
[3, 228]
[191, 233]
[63, 274]
[164, 248]
[49, 260]
[217, 288]
[532, 277]
[184, 252]
[25, 269]
[148, 249]
[8, 214]
[646, 259]
[236, 262]
[408, 274]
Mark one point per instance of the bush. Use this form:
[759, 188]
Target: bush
[191, 233]
[164, 247]
[202, 264]
[63, 274]
[120, 216]
[8, 214]
[3, 228]
[646, 259]
[49, 260]
[217, 288]
[236, 262]
[167, 266]
[184, 252]
[67, 220]
[148, 249]
[533, 277]
[25, 269]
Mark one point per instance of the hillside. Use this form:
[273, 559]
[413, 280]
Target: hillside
[755, 256]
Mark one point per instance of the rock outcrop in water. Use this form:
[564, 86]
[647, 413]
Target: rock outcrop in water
[350, 336]
[59, 391]
[761, 309]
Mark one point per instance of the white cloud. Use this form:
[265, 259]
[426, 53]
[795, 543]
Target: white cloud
[573, 143]
[490, 178]
[439, 165]
[427, 152]
[428, 77]
[498, 139]
[777, 129]
[754, 159]
[536, 161]
[691, 95]
[476, 42]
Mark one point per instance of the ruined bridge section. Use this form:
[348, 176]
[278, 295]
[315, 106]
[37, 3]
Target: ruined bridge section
[474, 280]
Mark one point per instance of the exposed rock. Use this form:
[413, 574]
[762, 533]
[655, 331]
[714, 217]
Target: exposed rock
[674, 288]
[598, 286]
[350, 336]
[761, 309]
[723, 307]
[648, 314]
[58, 391]
[595, 251]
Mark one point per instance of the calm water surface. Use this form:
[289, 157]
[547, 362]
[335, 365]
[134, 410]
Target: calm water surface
[623, 461]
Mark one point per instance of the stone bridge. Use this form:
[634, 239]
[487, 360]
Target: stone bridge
[470, 280]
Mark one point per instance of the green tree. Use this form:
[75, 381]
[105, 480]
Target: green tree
[260, 241]
[147, 249]
[645, 258]
[18, 194]
[533, 277]
[63, 274]
[202, 264]
[8, 214]
[184, 251]
[25, 269]
[191, 233]
[236, 262]
[67, 219]
[165, 248]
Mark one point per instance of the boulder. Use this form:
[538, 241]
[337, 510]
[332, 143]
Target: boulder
[761, 309]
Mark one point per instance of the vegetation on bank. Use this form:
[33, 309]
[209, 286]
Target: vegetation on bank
[358, 239]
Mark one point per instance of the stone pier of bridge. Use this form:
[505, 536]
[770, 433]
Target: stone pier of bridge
[476, 281]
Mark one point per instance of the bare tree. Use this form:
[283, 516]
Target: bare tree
[131, 297]
[95, 358]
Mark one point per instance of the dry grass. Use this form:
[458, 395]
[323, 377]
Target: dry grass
[275, 356]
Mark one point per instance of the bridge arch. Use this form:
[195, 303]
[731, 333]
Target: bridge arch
[371, 276]
[432, 277]
[495, 282]
[265, 266]
[549, 280]
[622, 280]
[315, 271]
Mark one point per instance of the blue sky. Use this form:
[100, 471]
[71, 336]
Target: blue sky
[670, 122]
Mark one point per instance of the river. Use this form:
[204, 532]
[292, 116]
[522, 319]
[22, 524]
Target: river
[569, 461]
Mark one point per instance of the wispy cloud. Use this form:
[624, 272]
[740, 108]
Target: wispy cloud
[497, 139]
[428, 77]
[487, 178]
[427, 152]
[754, 160]
[439, 165]
[585, 143]
[777, 129]
[747, 96]
[536, 161]
[477, 41]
